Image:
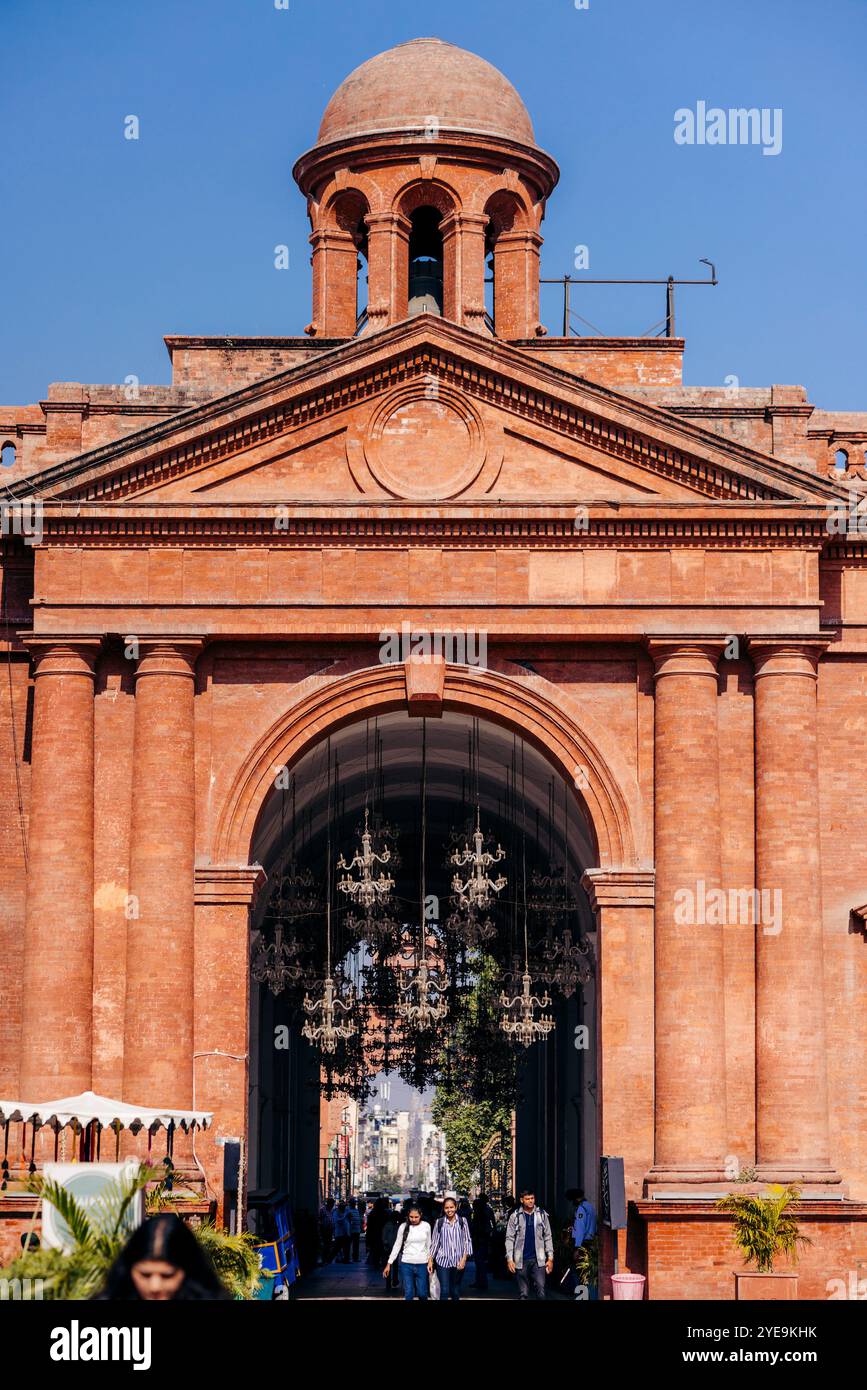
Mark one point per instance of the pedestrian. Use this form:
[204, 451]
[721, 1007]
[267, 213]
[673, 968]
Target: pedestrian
[451, 1247]
[389, 1236]
[529, 1246]
[342, 1233]
[354, 1215]
[326, 1230]
[483, 1224]
[584, 1218]
[373, 1240]
[162, 1261]
[412, 1250]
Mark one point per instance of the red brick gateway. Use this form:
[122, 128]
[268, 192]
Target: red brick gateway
[675, 623]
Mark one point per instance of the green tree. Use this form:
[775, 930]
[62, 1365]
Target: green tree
[478, 1079]
[467, 1126]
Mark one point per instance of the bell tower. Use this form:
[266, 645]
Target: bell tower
[425, 175]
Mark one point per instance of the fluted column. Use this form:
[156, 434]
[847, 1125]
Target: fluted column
[158, 1035]
[791, 1074]
[58, 930]
[688, 951]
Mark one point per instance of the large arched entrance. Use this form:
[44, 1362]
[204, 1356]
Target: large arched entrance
[422, 784]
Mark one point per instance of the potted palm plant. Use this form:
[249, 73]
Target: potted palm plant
[98, 1234]
[765, 1229]
[587, 1267]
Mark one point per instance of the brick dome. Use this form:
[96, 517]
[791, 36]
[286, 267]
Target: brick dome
[404, 87]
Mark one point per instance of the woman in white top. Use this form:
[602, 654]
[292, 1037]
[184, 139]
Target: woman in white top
[412, 1248]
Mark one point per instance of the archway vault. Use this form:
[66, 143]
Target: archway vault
[539, 711]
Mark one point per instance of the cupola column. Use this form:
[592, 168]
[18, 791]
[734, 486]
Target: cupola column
[335, 283]
[464, 255]
[388, 269]
[516, 283]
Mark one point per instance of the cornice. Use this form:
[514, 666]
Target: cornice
[384, 525]
[503, 376]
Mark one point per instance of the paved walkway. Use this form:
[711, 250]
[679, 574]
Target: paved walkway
[361, 1281]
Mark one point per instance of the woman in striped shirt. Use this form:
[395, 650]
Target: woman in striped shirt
[451, 1247]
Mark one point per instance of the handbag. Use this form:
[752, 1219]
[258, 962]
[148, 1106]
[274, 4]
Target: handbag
[434, 1286]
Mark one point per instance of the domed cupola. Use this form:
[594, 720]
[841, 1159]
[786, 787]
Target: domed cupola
[426, 164]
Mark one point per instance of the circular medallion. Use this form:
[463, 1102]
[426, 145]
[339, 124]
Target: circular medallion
[424, 440]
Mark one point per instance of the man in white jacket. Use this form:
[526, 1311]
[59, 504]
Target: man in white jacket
[412, 1248]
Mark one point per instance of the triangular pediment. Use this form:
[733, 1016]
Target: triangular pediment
[426, 411]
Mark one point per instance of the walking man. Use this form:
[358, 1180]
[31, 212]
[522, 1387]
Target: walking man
[412, 1248]
[451, 1247]
[529, 1246]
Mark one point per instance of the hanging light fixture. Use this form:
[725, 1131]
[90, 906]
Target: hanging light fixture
[429, 1006]
[366, 891]
[519, 1021]
[475, 892]
[422, 1003]
[329, 1007]
[328, 1032]
[566, 963]
[469, 929]
[275, 963]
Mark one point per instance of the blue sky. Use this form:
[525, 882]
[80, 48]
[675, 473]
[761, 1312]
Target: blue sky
[107, 244]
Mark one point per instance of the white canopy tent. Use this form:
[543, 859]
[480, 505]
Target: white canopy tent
[82, 1110]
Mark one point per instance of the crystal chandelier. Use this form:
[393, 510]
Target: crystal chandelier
[429, 1007]
[471, 931]
[366, 891]
[476, 891]
[519, 1020]
[275, 963]
[328, 1032]
[567, 963]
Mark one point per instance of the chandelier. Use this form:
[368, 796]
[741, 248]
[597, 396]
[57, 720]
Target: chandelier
[275, 963]
[476, 891]
[366, 891]
[519, 1021]
[429, 1007]
[566, 965]
[469, 929]
[328, 1032]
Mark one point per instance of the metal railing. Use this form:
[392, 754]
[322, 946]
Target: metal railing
[666, 325]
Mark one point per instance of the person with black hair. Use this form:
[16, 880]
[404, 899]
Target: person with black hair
[162, 1260]
[412, 1249]
[529, 1246]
